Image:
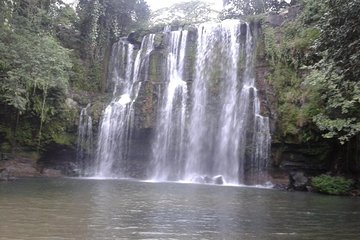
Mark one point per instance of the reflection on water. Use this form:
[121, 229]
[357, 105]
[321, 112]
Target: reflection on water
[114, 209]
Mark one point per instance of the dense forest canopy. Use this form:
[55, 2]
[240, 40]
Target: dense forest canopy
[251, 7]
[47, 49]
[189, 12]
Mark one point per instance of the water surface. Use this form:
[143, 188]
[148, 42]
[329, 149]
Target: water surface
[118, 209]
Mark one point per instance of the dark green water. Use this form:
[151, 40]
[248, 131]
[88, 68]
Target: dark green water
[115, 209]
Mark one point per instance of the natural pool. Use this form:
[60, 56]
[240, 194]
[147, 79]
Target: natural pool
[120, 209]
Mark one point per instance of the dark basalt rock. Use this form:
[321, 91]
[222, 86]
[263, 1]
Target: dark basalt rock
[298, 181]
[207, 179]
[219, 180]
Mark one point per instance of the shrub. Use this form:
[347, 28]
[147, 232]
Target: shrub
[331, 185]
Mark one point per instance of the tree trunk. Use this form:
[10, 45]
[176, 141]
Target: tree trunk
[42, 117]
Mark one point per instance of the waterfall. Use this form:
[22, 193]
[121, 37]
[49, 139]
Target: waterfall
[168, 147]
[224, 133]
[118, 118]
[84, 145]
[231, 140]
[209, 127]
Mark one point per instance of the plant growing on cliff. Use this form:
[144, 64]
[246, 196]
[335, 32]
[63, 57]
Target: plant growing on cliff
[331, 185]
[100, 24]
[287, 50]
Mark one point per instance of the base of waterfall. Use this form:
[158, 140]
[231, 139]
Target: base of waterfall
[205, 128]
[200, 180]
[210, 181]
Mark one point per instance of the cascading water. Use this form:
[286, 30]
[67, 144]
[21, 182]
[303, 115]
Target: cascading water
[233, 139]
[224, 133]
[243, 135]
[214, 128]
[84, 146]
[117, 120]
[168, 147]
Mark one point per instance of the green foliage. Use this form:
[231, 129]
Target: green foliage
[237, 8]
[314, 10]
[339, 85]
[34, 71]
[37, 65]
[338, 115]
[287, 50]
[64, 16]
[100, 24]
[194, 11]
[331, 185]
[294, 105]
[323, 53]
[316, 97]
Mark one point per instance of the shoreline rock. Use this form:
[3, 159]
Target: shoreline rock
[23, 168]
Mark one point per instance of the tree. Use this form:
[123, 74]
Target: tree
[34, 67]
[101, 23]
[338, 82]
[236, 8]
[185, 12]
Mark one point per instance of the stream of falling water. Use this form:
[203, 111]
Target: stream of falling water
[207, 130]
[170, 130]
[84, 145]
[117, 121]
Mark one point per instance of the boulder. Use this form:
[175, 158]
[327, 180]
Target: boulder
[208, 179]
[218, 180]
[298, 181]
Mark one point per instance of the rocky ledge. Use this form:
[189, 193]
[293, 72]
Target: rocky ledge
[24, 167]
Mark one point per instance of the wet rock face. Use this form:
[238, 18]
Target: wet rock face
[139, 153]
[59, 158]
[25, 167]
[218, 180]
[19, 167]
[298, 181]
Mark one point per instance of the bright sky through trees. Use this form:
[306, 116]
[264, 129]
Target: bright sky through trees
[157, 4]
